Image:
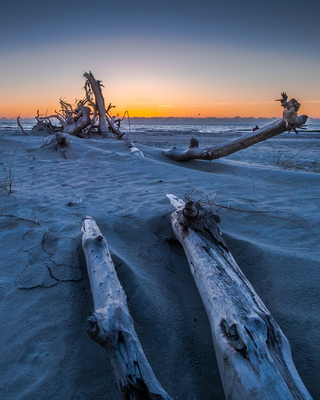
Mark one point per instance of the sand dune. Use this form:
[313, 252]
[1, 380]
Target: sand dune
[270, 219]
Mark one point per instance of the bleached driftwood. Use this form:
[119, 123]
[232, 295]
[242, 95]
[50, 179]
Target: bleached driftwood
[254, 356]
[73, 121]
[44, 123]
[99, 101]
[106, 123]
[81, 120]
[290, 110]
[289, 121]
[111, 324]
[134, 149]
[77, 120]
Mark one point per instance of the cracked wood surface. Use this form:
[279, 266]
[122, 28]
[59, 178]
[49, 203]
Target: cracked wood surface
[111, 324]
[253, 354]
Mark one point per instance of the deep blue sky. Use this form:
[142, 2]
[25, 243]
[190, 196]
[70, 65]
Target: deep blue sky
[215, 51]
[272, 23]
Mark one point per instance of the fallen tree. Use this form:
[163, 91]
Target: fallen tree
[80, 119]
[290, 121]
[253, 354]
[111, 324]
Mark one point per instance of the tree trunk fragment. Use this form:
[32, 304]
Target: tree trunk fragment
[253, 355]
[211, 153]
[105, 123]
[111, 324]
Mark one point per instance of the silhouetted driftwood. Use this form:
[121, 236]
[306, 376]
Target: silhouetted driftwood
[289, 121]
[111, 324]
[254, 356]
[21, 127]
[80, 119]
[106, 122]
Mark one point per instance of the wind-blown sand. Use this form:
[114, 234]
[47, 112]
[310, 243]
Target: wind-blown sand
[270, 220]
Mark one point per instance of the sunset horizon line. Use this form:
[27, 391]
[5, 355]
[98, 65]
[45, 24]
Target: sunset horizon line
[238, 117]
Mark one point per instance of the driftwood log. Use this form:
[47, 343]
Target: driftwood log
[253, 355]
[290, 121]
[111, 324]
[72, 120]
[106, 123]
[80, 119]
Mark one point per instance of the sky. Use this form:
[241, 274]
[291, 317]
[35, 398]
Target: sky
[161, 58]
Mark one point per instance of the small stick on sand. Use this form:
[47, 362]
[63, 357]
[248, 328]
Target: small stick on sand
[111, 324]
[20, 126]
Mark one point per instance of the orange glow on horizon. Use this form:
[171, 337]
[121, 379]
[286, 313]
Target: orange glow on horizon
[151, 97]
[218, 110]
[267, 110]
[27, 111]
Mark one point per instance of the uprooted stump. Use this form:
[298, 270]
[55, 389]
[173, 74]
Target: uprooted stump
[80, 119]
[111, 324]
[290, 121]
[253, 354]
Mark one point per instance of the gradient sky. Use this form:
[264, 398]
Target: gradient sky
[168, 58]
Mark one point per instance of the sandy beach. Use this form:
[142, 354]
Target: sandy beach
[269, 218]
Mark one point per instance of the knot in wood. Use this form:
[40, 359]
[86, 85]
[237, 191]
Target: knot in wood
[190, 211]
[93, 329]
[232, 334]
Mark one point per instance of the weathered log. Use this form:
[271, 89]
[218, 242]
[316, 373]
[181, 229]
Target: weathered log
[289, 121]
[77, 120]
[213, 153]
[105, 123]
[111, 324]
[254, 356]
[99, 100]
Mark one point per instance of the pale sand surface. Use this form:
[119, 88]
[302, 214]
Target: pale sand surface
[271, 227]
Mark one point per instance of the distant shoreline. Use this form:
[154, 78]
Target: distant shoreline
[181, 120]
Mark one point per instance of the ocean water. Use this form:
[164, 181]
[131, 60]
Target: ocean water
[286, 151]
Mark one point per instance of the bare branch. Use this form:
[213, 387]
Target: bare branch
[20, 126]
